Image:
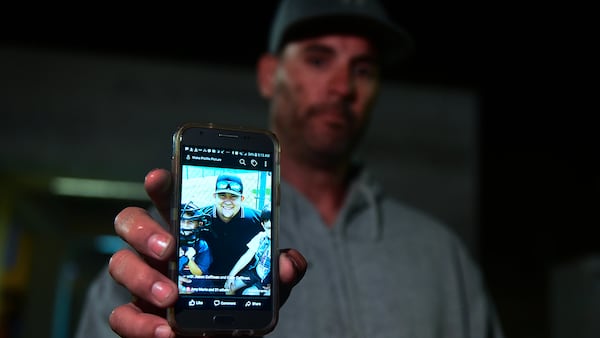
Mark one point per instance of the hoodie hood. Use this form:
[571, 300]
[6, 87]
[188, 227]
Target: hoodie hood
[360, 216]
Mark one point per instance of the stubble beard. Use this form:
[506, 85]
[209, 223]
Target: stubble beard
[310, 137]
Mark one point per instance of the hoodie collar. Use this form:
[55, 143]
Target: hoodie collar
[360, 215]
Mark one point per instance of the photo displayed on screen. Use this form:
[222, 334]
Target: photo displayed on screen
[225, 232]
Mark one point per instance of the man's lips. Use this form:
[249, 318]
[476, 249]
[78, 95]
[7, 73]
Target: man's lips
[332, 116]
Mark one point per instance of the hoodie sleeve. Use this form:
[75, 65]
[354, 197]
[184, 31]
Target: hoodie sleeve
[102, 297]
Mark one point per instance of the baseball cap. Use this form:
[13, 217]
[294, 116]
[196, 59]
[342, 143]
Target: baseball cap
[229, 184]
[298, 19]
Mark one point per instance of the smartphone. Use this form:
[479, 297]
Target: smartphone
[225, 218]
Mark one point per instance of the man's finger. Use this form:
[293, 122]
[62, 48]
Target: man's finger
[141, 280]
[130, 322]
[159, 188]
[144, 234]
[292, 267]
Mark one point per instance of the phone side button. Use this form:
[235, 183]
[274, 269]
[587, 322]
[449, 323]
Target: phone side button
[223, 321]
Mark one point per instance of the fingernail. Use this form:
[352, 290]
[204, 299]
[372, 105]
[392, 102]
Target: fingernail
[297, 260]
[161, 290]
[165, 185]
[158, 244]
[163, 331]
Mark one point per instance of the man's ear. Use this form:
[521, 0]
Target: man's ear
[266, 68]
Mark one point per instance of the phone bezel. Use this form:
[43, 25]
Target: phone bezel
[222, 321]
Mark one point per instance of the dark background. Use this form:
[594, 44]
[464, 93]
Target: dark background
[529, 65]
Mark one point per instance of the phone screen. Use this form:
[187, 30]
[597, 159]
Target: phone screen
[225, 218]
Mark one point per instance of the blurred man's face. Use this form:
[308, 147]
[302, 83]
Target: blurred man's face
[323, 90]
[228, 205]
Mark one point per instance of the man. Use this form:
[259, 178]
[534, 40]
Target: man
[233, 225]
[377, 268]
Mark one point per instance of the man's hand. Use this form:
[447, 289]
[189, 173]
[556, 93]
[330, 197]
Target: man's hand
[190, 253]
[144, 273]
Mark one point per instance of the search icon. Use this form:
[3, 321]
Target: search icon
[242, 161]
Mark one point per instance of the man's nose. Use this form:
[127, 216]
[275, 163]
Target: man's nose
[342, 83]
